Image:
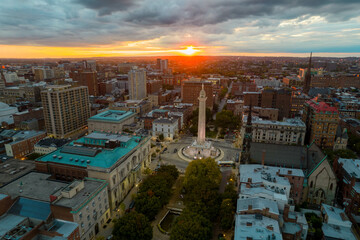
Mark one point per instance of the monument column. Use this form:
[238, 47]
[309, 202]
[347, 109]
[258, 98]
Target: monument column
[202, 116]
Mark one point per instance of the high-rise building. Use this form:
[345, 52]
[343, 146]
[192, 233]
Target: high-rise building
[162, 64]
[87, 78]
[190, 91]
[321, 123]
[66, 110]
[137, 83]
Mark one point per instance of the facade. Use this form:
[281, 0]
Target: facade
[289, 131]
[341, 139]
[321, 184]
[35, 113]
[169, 127]
[270, 98]
[137, 83]
[321, 122]
[87, 78]
[190, 91]
[31, 93]
[140, 107]
[111, 121]
[84, 202]
[344, 81]
[23, 143]
[352, 125]
[117, 158]
[66, 110]
[238, 88]
[297, 104]
[48, 145]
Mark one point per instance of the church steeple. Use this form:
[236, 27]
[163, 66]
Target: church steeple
[307, 80]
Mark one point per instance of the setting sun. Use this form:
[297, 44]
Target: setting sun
[189, 50]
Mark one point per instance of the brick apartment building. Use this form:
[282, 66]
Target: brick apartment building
[270, 98]
[87, 78]
[321, 123]
[336, 82]
[23, 143]
[190, 91]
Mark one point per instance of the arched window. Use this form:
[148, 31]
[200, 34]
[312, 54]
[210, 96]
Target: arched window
[331, 186]
[311, 184]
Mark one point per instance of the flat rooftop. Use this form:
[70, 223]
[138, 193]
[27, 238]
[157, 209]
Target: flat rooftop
[83, 156]
[33, 185]
[112, 116]
[9, 222]
[291, 122]
[91, 186]
[256, 227]
[258, 204]
[13, 169]
[337, 232]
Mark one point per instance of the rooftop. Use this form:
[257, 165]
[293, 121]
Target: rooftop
[52, 142]
[112, 116]
[22, 135]
[335, 215]
[258, 204]
[351, 166]
[63, 227]
[9, 222]
[99, 156]
[165, 120]
[91, 187]
[33, 185]
[321, 107]
[289, 122]
[256, 227]
[30, 208]
[337, 232]
[13, 169]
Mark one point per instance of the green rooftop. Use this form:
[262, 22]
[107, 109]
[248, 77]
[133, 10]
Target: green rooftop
[95, 155]
[112, 116]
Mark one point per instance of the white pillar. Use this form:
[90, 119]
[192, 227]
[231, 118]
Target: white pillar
[202, 116]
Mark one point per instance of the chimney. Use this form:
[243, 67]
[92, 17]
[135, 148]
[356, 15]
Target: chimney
[270, 227]
[286, 212]
[263, 157]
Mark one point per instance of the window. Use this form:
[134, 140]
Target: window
[331, 186]
[80, 215]
[88, 217]
[311, 184]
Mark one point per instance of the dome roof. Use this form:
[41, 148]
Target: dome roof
[3, 105]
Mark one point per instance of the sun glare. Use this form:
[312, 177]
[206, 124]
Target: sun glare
[189, 50]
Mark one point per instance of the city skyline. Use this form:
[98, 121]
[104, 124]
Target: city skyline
[79, 28]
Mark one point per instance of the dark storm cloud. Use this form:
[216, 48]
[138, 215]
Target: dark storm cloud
[208, 22]
[105, 7]
[199, 13]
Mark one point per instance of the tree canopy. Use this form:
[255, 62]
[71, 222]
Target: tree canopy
[190, 225]
[227, 119]
[132, 226]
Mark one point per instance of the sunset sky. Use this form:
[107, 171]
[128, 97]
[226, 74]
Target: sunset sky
[90, 28]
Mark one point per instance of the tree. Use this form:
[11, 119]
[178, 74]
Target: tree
[201, 183]
[169, 170]
[190, 225]
[230, 193]
[227, 211]
[132, 226]
[341, 153]
[227, 119]
[161, 137]
[148, 204]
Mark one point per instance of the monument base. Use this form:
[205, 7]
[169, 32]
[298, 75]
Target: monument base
[199, 151]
